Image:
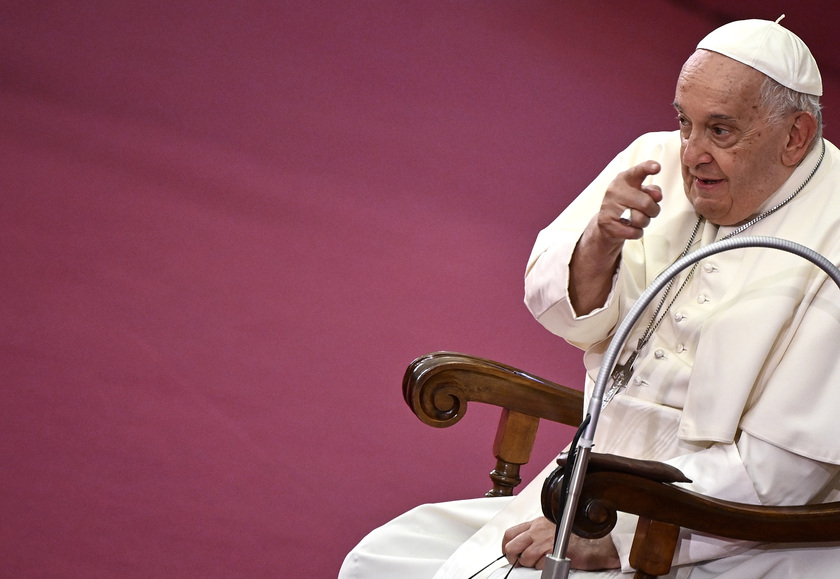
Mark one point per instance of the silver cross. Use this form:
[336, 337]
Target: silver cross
[621, 375]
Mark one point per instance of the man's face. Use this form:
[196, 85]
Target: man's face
[731, 154]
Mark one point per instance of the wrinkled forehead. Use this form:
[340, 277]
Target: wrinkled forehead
[711, 74]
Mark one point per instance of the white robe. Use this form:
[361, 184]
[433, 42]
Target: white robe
[735, 388]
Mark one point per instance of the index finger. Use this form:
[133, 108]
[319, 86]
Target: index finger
[514, 532]
[636, 175]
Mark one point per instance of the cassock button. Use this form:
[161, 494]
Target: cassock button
[679, 316]
[709, 268]
[659, 354]
[680, 348]
[702, 299]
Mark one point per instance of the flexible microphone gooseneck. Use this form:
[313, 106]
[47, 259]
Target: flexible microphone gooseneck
[557, 565]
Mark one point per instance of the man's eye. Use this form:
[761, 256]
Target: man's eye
[720, 131]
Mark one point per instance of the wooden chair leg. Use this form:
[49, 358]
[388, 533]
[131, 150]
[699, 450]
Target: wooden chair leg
[512, 448]
[653, 548]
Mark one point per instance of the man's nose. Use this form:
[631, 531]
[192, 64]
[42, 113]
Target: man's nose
[695, 150]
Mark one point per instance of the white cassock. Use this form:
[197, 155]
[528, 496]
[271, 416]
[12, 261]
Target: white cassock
[738, 387]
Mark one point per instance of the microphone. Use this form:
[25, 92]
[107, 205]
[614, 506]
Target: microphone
[557, 564]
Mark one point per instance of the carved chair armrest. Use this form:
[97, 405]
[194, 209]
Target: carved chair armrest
[663, 508]
[438, 386]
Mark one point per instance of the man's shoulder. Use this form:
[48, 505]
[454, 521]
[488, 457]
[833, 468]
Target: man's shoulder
[662, 146]
[657, 139]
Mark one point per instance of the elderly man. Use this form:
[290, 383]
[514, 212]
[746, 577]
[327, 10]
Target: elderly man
[734, 374]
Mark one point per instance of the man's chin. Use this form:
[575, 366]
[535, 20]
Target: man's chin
[712, 212]
[711, 207]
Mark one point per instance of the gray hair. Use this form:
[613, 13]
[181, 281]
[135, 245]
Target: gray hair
[780, 101]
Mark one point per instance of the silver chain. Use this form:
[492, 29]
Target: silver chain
[622, 372]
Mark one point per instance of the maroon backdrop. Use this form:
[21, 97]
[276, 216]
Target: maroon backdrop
[226, 228]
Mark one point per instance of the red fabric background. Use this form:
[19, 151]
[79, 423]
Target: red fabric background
[226, 228]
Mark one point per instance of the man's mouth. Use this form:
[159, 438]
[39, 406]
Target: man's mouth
[708, 181]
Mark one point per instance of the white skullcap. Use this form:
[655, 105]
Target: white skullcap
[769, 48]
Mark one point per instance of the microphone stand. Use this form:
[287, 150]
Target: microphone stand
[557, 564]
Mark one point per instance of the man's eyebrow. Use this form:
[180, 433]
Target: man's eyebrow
[718, 116]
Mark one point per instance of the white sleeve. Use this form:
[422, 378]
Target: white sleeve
[547, 272]
[547, 297]
[781, 477]
[751, 471]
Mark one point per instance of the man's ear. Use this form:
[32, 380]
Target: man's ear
[801, 133]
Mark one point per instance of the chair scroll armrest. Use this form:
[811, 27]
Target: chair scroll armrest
[437, 388]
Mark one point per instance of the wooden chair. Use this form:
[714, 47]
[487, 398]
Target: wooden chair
[439, 386]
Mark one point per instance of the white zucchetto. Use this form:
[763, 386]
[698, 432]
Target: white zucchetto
[769, 48]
